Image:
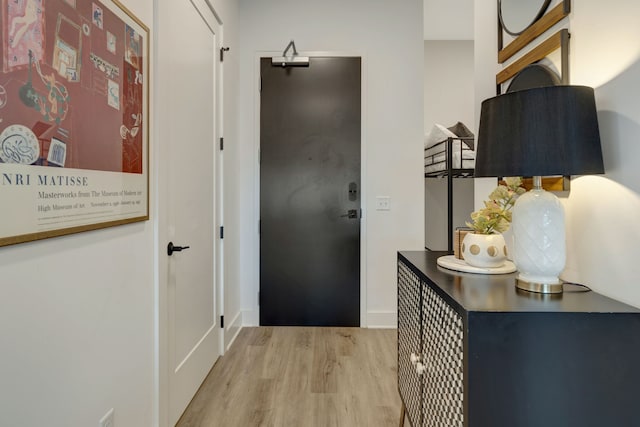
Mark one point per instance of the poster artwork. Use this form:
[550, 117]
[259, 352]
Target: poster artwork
[73, 117]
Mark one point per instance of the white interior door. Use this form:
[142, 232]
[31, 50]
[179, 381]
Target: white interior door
[190, 66]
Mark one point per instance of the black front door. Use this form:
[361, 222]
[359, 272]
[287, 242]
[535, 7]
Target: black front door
[310, 124]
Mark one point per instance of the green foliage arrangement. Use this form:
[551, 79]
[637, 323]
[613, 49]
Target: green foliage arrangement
[495, 217]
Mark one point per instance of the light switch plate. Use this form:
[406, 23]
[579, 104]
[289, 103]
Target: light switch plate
[383, 203]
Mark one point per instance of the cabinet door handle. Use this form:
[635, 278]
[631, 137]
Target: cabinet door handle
[420, 369]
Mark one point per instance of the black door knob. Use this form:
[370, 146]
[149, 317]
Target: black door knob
[171, 248]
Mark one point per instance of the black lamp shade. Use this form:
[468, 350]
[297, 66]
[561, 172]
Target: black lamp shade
[540, 132]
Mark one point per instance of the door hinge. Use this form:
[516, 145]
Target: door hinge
[222, 51]
[222, 232]
[222, 322]
[260, 85]
[259, 156]
[221, 144]
[259, 226]
[258, 299]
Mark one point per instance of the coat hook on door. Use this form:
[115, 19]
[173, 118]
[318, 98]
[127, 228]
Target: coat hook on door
[222, 51]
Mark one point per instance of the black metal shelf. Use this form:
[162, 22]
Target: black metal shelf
[449, 172]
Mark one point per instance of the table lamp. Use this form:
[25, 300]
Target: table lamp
[538, 132]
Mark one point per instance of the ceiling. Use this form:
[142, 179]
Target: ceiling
[448, 19]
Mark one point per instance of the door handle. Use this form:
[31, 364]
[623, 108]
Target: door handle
[171, 248]
[351, 214]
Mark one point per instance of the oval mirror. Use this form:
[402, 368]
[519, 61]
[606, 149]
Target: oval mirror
[518, 15]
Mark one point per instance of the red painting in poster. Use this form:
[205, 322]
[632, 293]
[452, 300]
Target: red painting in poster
[71, 87]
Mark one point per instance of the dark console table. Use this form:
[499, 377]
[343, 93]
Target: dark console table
[474, 351]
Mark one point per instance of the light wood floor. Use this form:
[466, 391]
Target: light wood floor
[301, 377]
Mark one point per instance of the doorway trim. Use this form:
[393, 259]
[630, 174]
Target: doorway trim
[253, 316]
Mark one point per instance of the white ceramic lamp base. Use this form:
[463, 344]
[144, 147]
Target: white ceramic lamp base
[539, 241]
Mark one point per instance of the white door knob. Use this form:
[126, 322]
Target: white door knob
[414, 358]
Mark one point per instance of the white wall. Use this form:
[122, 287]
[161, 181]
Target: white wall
[448, 98]
[388, 36]
[601, 211]
[448, 83]
[436, 210]
[448, 20]
[77, 328]
[485, 69]
[76, 323]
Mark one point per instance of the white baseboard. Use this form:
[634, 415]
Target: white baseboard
[375, 319]
[250, 318]
[232, 330]
[382, 320]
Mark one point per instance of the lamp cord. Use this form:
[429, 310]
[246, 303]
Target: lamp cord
[584, 288]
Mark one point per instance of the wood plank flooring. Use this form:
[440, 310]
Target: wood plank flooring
[290, 377]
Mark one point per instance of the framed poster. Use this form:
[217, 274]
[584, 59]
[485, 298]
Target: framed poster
[74, 118]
